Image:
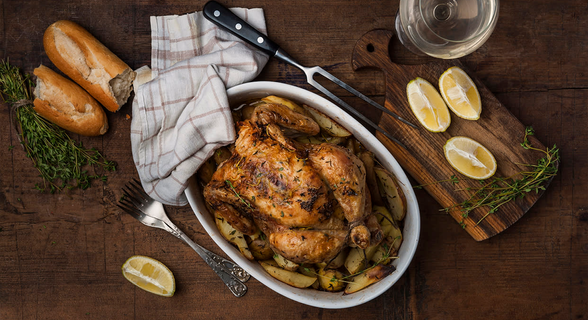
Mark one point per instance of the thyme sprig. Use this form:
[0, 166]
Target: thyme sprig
[237, 194]
[454, 180]
[61, 161]
[499, 191]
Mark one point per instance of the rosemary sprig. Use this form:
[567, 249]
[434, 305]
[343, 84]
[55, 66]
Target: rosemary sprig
[499, 191]
[59, 159]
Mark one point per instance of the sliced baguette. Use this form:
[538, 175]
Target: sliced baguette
[89, 63]
[66, 104]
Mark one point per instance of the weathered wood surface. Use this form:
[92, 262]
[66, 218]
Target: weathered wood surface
[497, 129]
[60, 255]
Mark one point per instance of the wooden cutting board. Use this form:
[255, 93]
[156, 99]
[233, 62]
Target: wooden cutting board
[497, 129]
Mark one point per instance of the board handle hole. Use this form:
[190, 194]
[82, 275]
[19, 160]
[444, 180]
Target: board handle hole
[370, 48]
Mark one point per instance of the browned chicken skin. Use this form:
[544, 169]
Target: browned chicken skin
[289, 190]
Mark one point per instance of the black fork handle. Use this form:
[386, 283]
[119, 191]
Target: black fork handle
[221, 16]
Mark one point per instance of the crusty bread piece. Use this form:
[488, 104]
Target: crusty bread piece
[66, 104]
[88, 62]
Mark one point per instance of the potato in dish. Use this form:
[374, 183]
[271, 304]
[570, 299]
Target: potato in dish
[298, 188]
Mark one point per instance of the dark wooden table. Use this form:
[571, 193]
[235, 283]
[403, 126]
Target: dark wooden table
[61, 254]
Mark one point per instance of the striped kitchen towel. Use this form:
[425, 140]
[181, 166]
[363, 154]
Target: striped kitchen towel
[181, 113]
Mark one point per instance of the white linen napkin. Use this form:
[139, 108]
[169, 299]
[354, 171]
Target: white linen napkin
[181, 113]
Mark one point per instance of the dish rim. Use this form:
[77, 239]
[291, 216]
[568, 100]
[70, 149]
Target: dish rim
[312, 297]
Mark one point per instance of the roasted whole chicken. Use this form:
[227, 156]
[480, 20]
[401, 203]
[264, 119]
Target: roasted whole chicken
[291, 191]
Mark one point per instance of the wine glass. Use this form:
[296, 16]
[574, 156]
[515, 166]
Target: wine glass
[445, 29]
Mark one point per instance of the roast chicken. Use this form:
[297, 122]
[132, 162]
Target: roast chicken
[291, 191]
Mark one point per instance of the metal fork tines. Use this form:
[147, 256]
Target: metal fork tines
[310, 72]
[226, 19]
[152, 213]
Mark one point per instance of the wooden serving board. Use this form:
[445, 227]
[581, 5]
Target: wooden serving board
[497, 129]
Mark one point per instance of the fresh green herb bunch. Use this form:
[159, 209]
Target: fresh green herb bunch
[59, 159]
[499, 191]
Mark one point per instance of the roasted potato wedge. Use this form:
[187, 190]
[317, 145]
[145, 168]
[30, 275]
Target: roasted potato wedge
[259, 246]
[327, 124]
[271, 262]
[335, 140]
[221, 154]
[382, 213]
[260, 249]
[285, 263]
[389, 225]
[246, 109]
[320, 139]
[321, 265]
[206, 171]
[246, 112]
[292, 278]
[233, 235]
[384, 218]
[367, 158]
[311, 272]
[339, 260]
[310, 139]
[369, 251]
[396, 234]
[359, 148]
[383, 255]
[350, 145]
[365, 279]
[395, 196]
[329, 280]
[355, 261]
[288, 103]
[387, 251]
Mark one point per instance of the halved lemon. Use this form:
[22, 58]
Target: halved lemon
[470, 158]
[149, 275]
[460, 93]
[427, 105]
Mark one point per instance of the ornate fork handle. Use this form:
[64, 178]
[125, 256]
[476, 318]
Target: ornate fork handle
[229, 266]
[231, 274]
[152, 213]
[229, 277]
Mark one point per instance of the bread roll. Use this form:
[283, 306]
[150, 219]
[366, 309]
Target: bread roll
[89, 63]
[66, 104]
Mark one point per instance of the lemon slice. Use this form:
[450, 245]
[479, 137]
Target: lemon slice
[427, 105]
[149, 275]
[470, 158]
[460, 93]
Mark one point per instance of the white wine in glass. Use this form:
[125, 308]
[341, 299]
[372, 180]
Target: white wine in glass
[445, 29]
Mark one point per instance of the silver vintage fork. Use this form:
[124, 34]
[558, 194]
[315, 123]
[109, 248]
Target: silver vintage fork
[151, 213]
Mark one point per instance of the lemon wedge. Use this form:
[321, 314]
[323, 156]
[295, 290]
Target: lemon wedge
[460, 93]
[149, 275]
[470, 158]
[427, 105]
